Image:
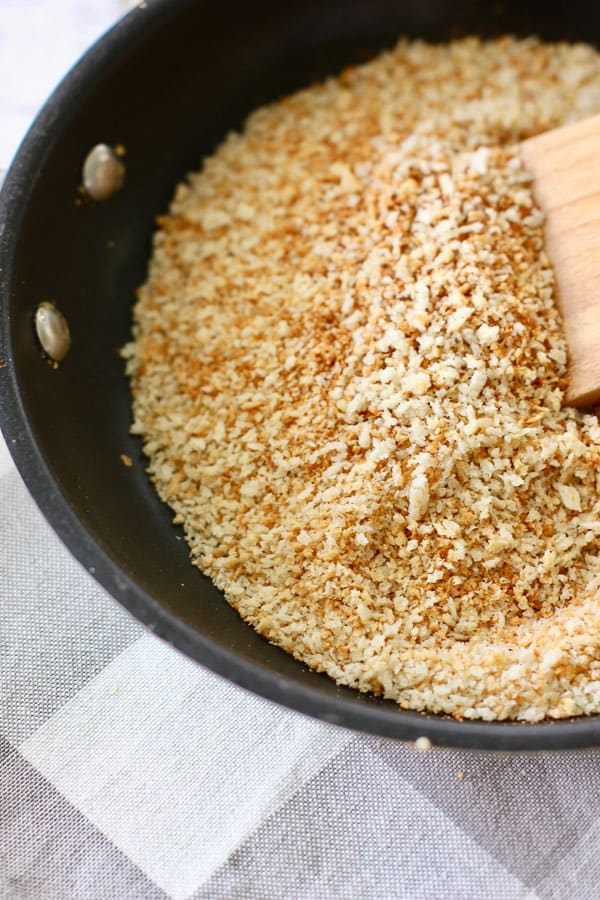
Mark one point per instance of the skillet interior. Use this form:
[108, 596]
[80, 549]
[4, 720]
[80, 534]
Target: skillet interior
[167, 83]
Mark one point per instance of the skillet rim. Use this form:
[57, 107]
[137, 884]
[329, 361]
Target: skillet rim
[358, 713]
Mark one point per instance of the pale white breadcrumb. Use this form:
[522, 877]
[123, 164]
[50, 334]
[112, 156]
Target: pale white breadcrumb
[347, 370]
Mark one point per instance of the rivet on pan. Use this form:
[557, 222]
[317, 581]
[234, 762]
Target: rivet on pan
[52, 331]
[103, 172]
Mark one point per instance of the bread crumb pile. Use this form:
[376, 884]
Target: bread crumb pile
[348, 367]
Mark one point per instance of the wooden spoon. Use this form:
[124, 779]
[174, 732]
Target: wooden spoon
[565, 164]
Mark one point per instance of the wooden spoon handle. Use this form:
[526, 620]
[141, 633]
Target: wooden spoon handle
[566, 167]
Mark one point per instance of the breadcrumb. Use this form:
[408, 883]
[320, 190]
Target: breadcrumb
[347, 370]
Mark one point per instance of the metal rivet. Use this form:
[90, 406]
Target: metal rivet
[52, 331]
[103, 172]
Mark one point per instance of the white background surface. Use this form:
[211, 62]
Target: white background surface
[39, 42]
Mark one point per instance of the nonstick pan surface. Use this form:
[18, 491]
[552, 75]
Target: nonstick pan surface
[167, 83]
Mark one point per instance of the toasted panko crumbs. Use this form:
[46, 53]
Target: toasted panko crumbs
[348, 368]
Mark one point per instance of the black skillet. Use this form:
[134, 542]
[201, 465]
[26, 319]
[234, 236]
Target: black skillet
[167, 83]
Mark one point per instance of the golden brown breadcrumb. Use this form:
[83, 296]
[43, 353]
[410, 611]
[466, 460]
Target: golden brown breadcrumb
[347, 370]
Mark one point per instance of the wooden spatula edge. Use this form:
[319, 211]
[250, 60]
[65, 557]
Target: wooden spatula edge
[565, 164]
